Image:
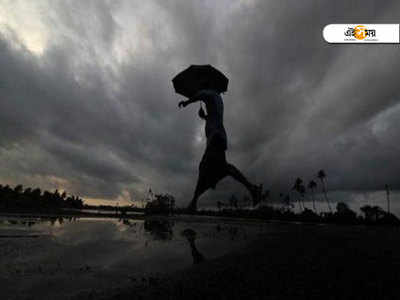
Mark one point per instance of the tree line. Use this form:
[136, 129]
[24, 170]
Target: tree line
[28, 199]
[296, 195]
[269, 208]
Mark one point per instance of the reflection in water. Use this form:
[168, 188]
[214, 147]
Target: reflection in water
[233, 232]
[190, 235]
[91, 253]
[53, 221]
[121, 236]
[127, 222]
[18, 227]
[160, 229]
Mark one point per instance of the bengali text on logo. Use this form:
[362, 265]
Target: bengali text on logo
[361, 33]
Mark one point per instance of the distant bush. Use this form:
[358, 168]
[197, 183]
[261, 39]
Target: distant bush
[344, 214]
[162, 204]
[376, 215]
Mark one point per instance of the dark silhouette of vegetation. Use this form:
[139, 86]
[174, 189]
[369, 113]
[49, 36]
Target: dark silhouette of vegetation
[162, 204]
[343, 214]
[376, 215]
[312, 185]
[387, 197]
[300, 189]
[372, 213]
[110, 208]
[322, 177]
[18, 199]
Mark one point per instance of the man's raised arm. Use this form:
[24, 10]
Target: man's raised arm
[197, 97]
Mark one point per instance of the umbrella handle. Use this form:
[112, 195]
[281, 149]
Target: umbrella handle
[182, 104]
[201, 113]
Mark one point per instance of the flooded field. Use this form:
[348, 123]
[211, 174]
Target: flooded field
[41, 258]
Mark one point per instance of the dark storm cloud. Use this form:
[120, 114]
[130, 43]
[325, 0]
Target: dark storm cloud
[301, 94]
[105, 122]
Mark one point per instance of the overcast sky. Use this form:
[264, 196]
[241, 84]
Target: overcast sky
[87, 103]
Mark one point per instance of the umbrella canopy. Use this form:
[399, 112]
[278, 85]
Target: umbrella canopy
[197, 77]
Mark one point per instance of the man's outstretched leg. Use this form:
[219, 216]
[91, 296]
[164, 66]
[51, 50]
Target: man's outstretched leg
[200, 189]
[254, 190]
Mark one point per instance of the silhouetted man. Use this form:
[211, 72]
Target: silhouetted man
[213, 166]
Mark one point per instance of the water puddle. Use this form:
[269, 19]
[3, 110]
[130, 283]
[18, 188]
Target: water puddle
[51, 255]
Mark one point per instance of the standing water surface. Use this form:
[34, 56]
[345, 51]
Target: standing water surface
[49, 257]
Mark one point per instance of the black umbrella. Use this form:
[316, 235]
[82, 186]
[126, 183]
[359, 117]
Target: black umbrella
[197, 77]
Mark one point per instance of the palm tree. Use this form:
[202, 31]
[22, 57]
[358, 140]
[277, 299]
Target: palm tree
[299, 187]
[302, 191]
[387, 197]
[321, 175]
[312, 185]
